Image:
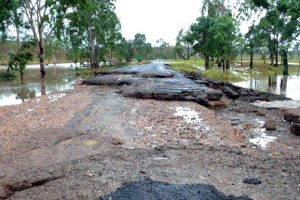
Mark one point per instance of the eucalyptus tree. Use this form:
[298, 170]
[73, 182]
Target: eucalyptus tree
[214, 34]
[5, 8]
[142, 48]
[93, 26]
[42, 17]
[179, 48]
[188, 41]
[223, 39]
[201, 36]
[214, 8]
[111, 30]
[279, 25]
[124, 50]
[164, 49]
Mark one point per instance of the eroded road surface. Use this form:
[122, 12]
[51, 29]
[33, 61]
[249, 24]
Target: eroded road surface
[146, 132]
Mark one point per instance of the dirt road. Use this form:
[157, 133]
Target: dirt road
[95, 143]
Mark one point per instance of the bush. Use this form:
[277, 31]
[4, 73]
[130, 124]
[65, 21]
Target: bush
[7, 76]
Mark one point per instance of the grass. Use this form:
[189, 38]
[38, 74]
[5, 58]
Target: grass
[197, 66]
[235, 74]
[222, 76]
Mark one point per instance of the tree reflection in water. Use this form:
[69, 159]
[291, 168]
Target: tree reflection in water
[24, 94]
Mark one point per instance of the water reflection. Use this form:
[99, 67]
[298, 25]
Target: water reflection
[18, 91]
[288, 86]
[24, 94]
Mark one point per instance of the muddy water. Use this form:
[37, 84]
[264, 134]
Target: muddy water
[17, 91]
[288, 86]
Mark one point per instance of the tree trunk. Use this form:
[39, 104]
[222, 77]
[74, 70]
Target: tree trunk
[43, 87]
[18, 37]
[206, 62]
[272, 58]
[242, 64]
[42, 60]
[219, 63]
[251, 56]
[285, 63]
[276, 51]
[188, 52]
[227, 64]
[22, 76]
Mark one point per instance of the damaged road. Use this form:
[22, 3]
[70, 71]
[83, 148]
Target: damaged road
[154, 81]
[96, 143]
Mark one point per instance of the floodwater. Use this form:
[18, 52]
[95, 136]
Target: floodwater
[59, 78]
[288, 86]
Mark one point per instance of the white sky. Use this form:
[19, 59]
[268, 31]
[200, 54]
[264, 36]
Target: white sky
[156, 18]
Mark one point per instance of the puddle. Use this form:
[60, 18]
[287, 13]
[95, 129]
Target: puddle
[263, 140]
[191, 117]
[259, 136]
[55, 97]
[252, 127]
[278, 104]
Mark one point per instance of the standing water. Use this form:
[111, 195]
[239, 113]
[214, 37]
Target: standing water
[288, 86]
[59, 78]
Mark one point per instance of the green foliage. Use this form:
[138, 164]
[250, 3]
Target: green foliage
[215, 38]
[5, 14]
[92, 31]
[215, 8]
[7, 76]
[192, 66]
[19, 60]
[125, 50]
[141, 47]
[261, 3]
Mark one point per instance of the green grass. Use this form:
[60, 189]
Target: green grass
[222, 76]
[235, 74]
[197, 66]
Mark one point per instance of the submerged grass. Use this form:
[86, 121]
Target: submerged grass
[235, 74]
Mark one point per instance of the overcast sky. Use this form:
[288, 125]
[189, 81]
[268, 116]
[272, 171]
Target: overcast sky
[156, 18]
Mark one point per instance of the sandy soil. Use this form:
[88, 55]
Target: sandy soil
[51, 111]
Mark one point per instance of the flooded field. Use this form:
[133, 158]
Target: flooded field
[59, 78]
[288, 86]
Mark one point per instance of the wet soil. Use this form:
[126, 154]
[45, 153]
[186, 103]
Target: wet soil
[102, 145]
